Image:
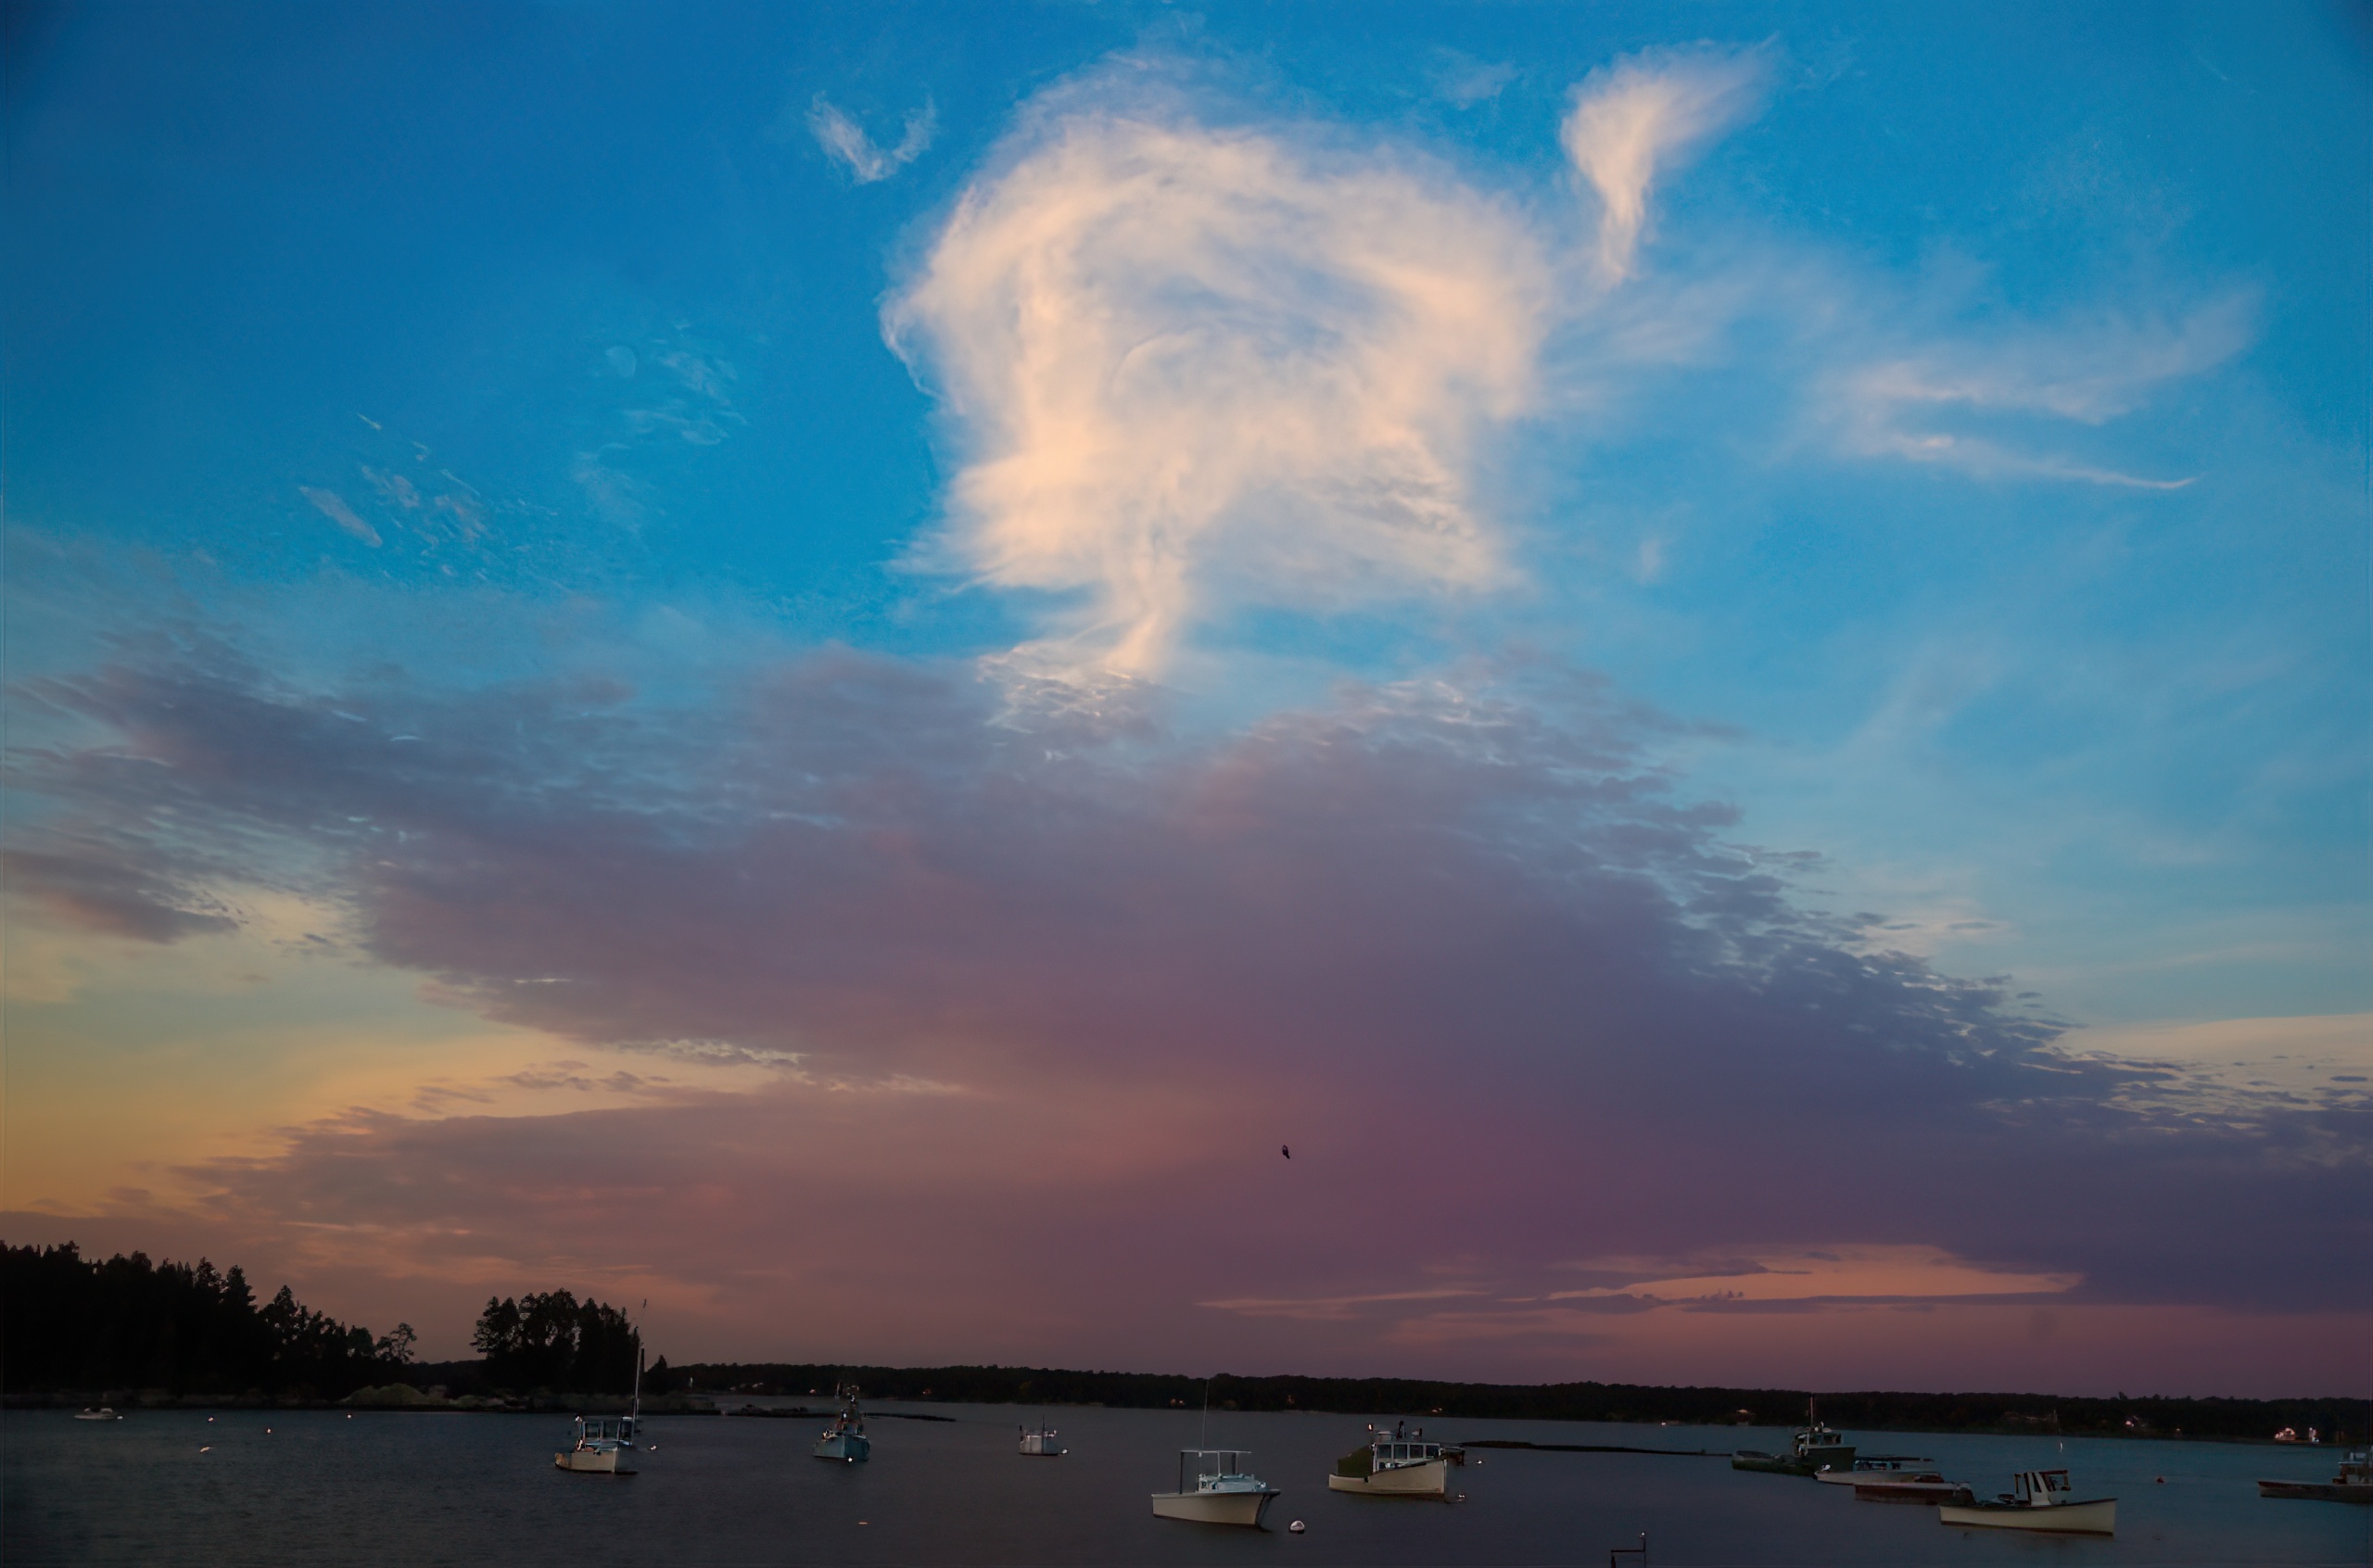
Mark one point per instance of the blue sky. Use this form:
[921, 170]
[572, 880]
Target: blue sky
[1954, 474]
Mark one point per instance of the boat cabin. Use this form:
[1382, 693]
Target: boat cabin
[1217, 1470]
[2041, 1488]
[1400, 1447]
[1391, 1455]
[591, 1430]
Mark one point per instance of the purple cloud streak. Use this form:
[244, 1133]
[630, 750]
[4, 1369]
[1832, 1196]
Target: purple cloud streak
[1469, 930]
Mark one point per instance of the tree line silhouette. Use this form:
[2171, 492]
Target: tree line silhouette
[556, 1342]
[74, 1323]
[71, 1322]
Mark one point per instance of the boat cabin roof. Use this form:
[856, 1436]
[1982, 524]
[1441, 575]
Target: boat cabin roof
[2041, 1481]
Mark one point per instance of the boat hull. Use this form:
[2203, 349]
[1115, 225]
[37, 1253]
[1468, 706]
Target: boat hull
[846, 1446]
[1770, 1464]
[594, 1462]
[2097, 1517]
[1035, 1447]
[2359, 1492]
[1215, 1508]
[1430, 1478]
[1922, 1492]
[1856, 1475]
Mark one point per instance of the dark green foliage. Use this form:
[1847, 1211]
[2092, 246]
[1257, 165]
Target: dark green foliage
[556, 1342]
[69, 1323]
[2339, 1420]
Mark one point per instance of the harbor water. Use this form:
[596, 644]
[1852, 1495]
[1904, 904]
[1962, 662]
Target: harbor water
[399, 1488]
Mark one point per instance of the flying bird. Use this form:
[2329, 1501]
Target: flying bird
[1285, 1151]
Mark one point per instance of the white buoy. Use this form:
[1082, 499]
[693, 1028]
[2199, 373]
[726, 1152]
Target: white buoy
[1296, 1527]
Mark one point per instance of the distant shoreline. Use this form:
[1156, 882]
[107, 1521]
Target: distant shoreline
[706, 1406]
[2338, 1420]
[715, 1388]
[718, 1387]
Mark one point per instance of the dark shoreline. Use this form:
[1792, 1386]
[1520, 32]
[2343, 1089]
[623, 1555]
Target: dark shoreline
[2338, 1420]
[720, 1387]
[1847, 1412]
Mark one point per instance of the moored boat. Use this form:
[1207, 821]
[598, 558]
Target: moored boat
[1929, 1489]
[1399, 1463]
[2039, 1499]
[2351, 1484]
[1038, 1442]
[104, 1412]
[846, 1440]
[1814, 1449]
[1881, 1467]
[605, 1445]
[1224, 1490]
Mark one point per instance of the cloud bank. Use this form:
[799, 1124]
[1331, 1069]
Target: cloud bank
[1053, 973]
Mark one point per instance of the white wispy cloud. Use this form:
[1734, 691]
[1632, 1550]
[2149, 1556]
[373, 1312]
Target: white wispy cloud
[1463, 81]
[332, 505]
[1197, 366]
[866, 162]
[1643, 112]
[1195, 363]
[1930, 401]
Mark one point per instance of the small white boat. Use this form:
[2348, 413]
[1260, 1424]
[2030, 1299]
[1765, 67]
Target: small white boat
[1038, 1442]
[1399, 1463]
[2041, 1499]
[1224, 1491]
[104, 1412]
[604, 1445]
[846, 1440]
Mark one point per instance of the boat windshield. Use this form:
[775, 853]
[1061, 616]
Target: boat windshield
[1212, 1465]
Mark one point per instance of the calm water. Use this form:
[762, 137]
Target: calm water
[381, 1488]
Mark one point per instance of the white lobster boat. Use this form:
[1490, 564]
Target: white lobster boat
[1224, 1491]
[1038, 1442]
[604, 1445]
[1814, 1449]
[2041, 1499]
[846, 1440]
[1399, 1463]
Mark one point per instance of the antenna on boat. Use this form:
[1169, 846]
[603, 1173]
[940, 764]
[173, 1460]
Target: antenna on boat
[635, 1413]
[1205, 1440]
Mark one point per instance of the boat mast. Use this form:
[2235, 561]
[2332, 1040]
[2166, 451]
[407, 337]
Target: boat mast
[634, 1411]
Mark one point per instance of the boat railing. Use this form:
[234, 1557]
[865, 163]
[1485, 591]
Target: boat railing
[1210, 1465]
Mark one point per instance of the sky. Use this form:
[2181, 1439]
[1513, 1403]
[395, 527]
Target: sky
[837, 666]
